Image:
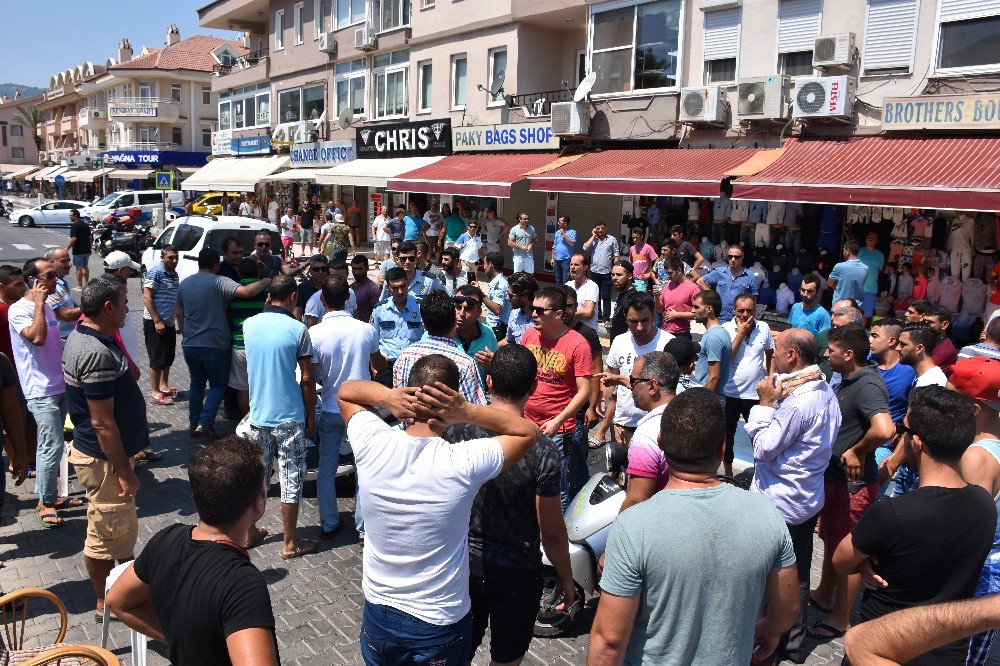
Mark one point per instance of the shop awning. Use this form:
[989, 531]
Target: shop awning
[950, 172]
[129, 174]
[371, 173]
[474, 174]
[673, 172]
[22, 172]
[186, 171]
[46, 171]
[90, 175]
[234, 174]
[307, 174]
[50, 177]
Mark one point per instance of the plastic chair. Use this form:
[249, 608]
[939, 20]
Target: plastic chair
[138, 639]
[82, 655]
[14, 614]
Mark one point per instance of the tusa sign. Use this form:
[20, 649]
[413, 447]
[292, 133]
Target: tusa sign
[513, 136]
[427, 138]
[942, 112]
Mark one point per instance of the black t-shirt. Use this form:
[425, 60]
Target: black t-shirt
[861, 396]
[306, 213]
[504, 526]
[304, 293]
[594, 342]
[80, 230]
[228, 271]
[202, 592]
[618, 325]
[930, 544]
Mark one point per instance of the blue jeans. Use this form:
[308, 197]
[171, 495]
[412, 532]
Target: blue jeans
[564, 442]
[50, 415]
[331, 433]
[211, 366]
[390, 636]
[603, 281]
[560, 268]
[579, 473]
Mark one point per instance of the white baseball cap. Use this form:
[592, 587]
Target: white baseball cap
[119, 259]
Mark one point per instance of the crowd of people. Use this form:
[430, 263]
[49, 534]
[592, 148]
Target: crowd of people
[884, 441]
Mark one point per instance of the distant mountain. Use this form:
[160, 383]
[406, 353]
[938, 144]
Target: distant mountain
[26, 91]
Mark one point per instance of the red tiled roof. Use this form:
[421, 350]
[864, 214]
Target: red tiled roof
[950, 172]
[192, 54]
[481, 174]
[649, 171]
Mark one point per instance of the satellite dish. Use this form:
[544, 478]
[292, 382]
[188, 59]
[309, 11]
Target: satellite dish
[496, 88]
[345, 118]
[583, 90]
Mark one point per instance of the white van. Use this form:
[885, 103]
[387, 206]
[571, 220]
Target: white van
[146, 200]
[192, 233]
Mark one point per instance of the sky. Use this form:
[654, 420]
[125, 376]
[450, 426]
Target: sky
[43, 37]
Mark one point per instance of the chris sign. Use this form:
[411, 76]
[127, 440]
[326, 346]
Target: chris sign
[426, 138]
[945, 112]
[516, 136]
[321, 153]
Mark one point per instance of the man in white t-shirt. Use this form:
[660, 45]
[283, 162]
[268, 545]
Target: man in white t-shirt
[916, 342]
[587, 292]
[642, 337]
[34, 337]
[383, 237]
[288, 226]
[753, 347]
[272, 211]
[315, 310]
[470, 248]
[496, 229]
[417, 490]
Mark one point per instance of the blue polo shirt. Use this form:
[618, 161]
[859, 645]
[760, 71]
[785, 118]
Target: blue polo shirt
[728, 288]
[850, 276]
[397, 328]
[814, 321]
[412, 227]
[275, 342]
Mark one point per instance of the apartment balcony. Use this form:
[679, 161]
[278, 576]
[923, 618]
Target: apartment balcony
[68, 125]
[540, 103]
[157, 109]
[246, 70]
[142, 145]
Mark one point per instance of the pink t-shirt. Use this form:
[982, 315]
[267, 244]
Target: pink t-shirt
[679, 297]
[645, 458]
[560, 362]
[642, 258]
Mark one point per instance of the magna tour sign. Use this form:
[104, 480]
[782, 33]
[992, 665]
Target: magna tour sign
[428, 138]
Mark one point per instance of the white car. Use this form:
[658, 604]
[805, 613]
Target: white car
[191, 233]
[51, 214]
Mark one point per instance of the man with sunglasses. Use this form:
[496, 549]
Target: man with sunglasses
[273, 264]
[319, 270]
[472, 335]
[419, 284]
[315, 310]
[730, 281]
[390, 261]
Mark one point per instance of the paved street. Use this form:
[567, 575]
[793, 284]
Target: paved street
[317, 600]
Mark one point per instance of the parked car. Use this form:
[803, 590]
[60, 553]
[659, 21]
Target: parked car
[191, 233]
[51, 214]
[210, 203]
[146, 200]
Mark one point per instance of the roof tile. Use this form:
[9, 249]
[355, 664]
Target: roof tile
[192, 54]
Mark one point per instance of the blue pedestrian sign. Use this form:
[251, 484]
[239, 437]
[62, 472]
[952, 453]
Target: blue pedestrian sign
[59, 180]
[164, 180]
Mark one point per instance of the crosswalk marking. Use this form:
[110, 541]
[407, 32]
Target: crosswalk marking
[22, 246]
[49, 246]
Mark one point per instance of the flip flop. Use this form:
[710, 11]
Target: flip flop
[49, 513]
[815, 604]
[172, 392]
[595, 443]
[832, 632]
[161, 399]
[69, 503]
[304, 547]
[256, 538]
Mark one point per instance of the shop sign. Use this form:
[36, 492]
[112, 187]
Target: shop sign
[943, 112]
[251, 145]
[507, 137]
[222, 142]
[427, 138]
[153, 157]
[321, 153]
[139, 111]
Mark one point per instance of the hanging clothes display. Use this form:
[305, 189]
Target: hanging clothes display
[961, 240]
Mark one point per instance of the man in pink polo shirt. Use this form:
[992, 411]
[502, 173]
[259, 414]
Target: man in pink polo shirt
[677, 299]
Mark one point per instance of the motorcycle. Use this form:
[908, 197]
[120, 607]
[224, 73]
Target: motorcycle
[6, 208]
[122, 234]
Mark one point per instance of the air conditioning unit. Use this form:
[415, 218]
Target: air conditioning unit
[834, 50]
[824, 97]
[571, 118]
[97, 113]
[327, 43]
[762, 97]
[364, 38]
[703, 105]
[300, 131]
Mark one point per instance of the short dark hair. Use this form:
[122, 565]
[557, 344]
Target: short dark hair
[522, 284]
[692, 430]
[584, 258]
[710, 298]
[208, 258]
[434, 368]
[31, 267]
[470, 290]
[229, 241]
[891, 326]
[169, 247]
[627, 265]
[852, 246]
[226, 476]
[992, 328]
[359, 259]
[569, 292]
[395, 274]
[854, 338]
[662, 367]
[450, 252]
[554, 295]
[944, 420]
[810, 278]
[674, 264]
[941, 312]
[513, 371]
[282, 287]
[745, 296]
[683, 350]
[249, 267]
[922, 334]
[339, 264]
[496, 259]
[676, 229]
[335, 291]
[639, 300]
[422, 247]
[107, 287]
[437, 310]
[407, 246]
[922, 306]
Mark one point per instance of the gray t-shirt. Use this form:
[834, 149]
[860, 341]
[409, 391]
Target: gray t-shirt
[205, 299]
[681, 551]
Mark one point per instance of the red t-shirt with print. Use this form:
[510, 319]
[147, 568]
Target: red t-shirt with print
[560, 362]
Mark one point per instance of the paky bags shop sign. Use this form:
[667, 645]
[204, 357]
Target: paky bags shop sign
[515, 136]
[427, 138]
[943, 112]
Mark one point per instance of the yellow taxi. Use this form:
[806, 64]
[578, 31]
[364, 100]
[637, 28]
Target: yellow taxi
[210, 203]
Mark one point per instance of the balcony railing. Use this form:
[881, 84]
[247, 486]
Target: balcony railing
[141, 145]
[540, 103]
[242, 62]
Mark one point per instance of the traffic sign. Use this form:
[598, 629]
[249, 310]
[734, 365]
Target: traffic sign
[59, 180]
[164, 180]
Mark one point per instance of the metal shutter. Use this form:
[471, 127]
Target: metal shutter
[890, 33]
[722, 34]
[798, 24]
[585, 210]
[960, 10]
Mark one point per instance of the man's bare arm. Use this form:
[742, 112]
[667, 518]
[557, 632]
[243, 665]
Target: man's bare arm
[129, 600]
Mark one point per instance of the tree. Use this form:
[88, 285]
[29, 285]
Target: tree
[30, 117]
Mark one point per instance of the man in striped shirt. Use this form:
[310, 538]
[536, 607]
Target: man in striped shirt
[159, 298]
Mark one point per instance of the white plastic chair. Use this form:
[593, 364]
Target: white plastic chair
[138, 639]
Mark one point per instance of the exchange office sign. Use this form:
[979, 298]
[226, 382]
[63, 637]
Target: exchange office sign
[514, 136]
[943, 112]
[428, 138]
[321, 153]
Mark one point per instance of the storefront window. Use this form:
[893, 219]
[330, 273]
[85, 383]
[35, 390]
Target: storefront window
[636, 48]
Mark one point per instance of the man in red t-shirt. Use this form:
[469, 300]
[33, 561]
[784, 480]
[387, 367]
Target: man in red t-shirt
[564, 370]
[12, 289]
[677, 299]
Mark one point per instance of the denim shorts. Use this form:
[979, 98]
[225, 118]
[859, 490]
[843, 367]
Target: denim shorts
[287, 443]
[81, 260]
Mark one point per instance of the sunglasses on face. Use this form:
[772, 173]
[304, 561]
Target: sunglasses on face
[901, 429]
[634, 381]
[540, 310]
[48, 276]
[324, 269]
[263, 245]
[735, 256]
[407, 257]
[466, 301]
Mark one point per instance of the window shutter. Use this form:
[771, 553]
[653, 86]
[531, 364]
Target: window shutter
[960, 10]
[798, 24]
[722, 34]
[890, 31]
